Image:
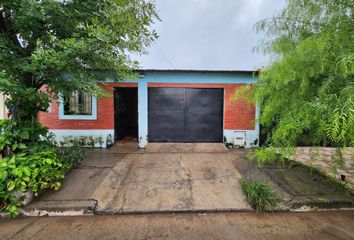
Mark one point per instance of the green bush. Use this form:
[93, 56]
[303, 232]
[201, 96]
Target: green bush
[16, 135]
[23, 171]
[72, 155]
[262, 155]
[259, 195]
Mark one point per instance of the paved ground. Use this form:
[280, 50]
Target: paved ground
[175, 182]
[156, 181]
[290, 226]
[186, 148]
[180, 178]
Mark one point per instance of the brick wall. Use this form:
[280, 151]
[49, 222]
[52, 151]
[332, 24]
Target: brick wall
[238, 114]
[105, 113]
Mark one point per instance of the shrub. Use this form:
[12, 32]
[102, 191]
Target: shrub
[16, 135]
[262, 155]
[72, 155]
[259, 195]
[23, 171]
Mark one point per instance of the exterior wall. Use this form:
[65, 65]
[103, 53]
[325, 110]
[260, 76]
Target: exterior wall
[102, 127]
[321, 158]
[3, 110]
[238, 116]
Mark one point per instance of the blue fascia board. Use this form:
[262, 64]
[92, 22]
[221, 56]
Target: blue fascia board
[206, 78]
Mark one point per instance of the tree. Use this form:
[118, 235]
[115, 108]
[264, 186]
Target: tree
[68, 45]
[306, 93]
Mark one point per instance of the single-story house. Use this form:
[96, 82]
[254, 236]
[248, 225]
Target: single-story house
[161, 106]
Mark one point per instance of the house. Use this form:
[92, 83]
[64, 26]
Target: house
[161, 106]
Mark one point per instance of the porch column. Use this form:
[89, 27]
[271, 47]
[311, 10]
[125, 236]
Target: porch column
[143, 112]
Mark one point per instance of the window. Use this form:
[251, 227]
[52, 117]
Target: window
[78, 105]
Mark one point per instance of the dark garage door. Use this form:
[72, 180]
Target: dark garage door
[186, 114]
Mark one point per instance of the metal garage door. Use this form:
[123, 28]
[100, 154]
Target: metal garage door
[185, 114]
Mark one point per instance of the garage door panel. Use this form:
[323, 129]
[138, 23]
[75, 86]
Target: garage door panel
[166, 127]
[201, 127]
[208, 100]
[191, 115]
[167, 100]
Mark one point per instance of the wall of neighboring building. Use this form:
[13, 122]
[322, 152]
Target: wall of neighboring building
[239, 117]
[3, 110]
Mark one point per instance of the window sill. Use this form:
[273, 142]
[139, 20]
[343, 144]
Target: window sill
[78, 117]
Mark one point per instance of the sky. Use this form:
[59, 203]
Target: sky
[209, 34]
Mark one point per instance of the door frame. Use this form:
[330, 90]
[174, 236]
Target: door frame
[115, 106]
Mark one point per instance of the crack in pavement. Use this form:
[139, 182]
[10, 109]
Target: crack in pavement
[123, 186]
[189, 200]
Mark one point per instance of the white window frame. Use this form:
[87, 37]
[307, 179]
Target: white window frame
[63, 116]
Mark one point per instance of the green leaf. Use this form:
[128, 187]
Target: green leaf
[3, 164]
[27, 171]
[49, 161]
[10, 186]
[24, 135]
[21, 146]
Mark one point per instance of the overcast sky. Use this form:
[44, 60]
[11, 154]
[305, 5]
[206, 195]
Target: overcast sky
[209, 34]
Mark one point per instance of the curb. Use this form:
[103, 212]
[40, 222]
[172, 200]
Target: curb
[182, 211]
[60, 208]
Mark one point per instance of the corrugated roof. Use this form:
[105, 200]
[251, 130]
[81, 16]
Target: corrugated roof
[196, 70]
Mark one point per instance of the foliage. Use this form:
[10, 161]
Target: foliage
[259, 195]
[306, 93]
[31, 162]
[16, 135]
[72, 155]
[263, 155]
[83, 141]
[41, 170]
[337, 160]
[67, 46]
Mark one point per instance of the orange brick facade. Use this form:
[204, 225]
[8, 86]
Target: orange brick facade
[105, 113]
[237, 114]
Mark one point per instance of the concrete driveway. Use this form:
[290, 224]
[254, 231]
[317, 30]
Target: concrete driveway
[171, 183]
[166, 178]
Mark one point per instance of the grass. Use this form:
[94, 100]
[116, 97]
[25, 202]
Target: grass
[259, 195]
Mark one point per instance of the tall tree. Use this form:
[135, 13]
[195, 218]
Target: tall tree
[306, 93]
[68, 45]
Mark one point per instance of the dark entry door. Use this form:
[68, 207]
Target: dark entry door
[185, 115]
[126, 113]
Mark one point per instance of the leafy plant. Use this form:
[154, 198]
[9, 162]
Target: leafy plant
[263, 155]
[259, 195]
[54, 47]
[306, 93]
[72, 155]
[22, 172]
[16, 135]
